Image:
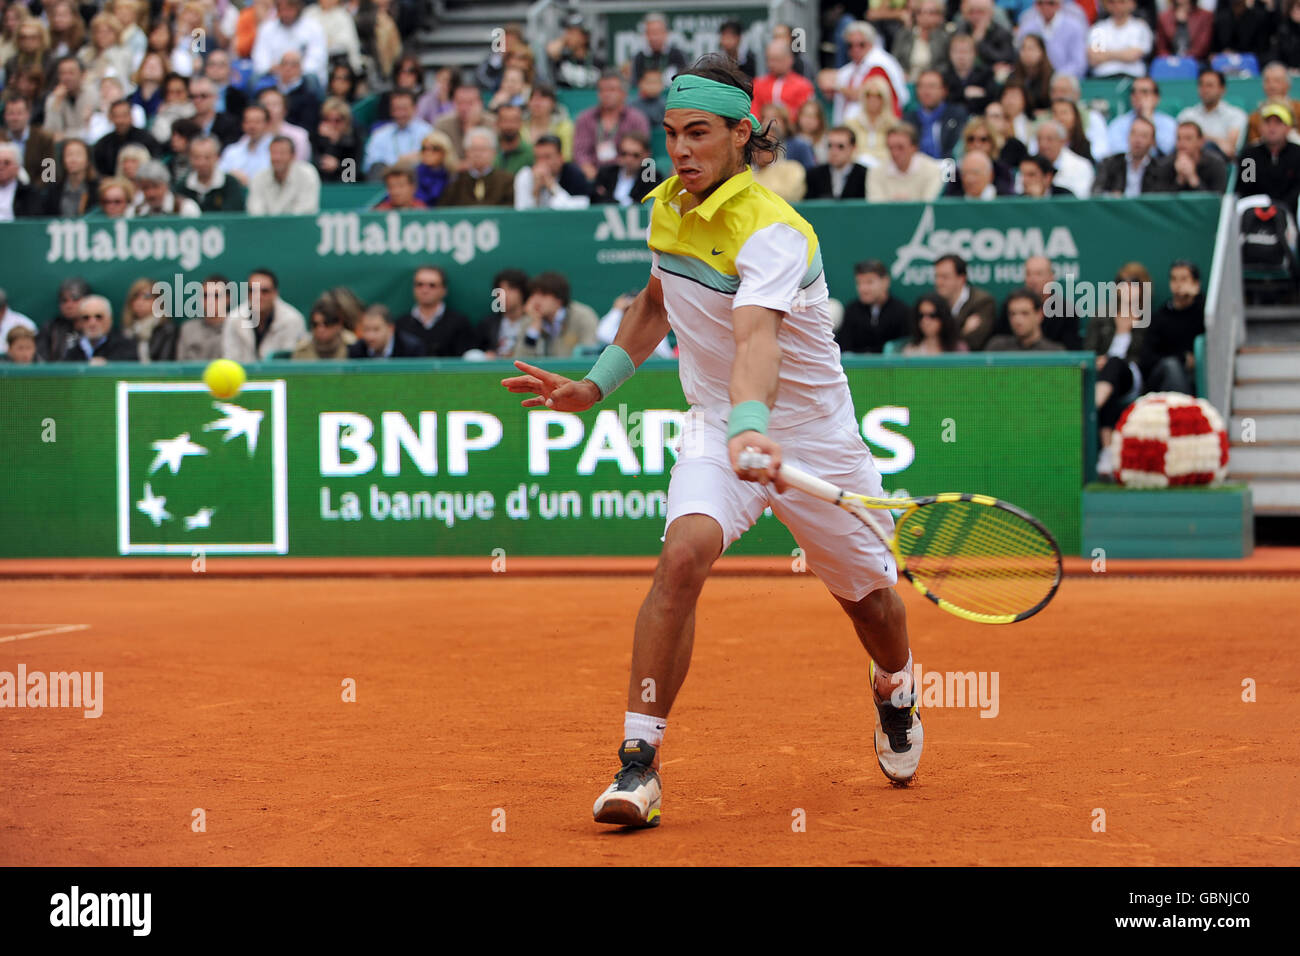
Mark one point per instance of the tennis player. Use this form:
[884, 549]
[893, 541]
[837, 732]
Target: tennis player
[737, 274]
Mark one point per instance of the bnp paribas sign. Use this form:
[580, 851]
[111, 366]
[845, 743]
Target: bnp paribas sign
[195, 473]
[417, 459]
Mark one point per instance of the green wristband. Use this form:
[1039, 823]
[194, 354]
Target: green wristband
[612, 369]
[747, 417]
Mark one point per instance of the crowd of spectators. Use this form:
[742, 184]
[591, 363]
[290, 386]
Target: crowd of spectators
[995, 107]
[977, 99]
[250, 321]
[918, 88]
[1139, 348]
[276, 91]
[957, 316]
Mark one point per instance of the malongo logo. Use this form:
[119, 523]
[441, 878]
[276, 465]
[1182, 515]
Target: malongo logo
[343, 234]
[991, 254]
[73, 240]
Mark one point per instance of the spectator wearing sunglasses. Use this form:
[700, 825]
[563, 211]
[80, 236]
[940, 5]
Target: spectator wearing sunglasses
[629, 178]
[444, 332]
[326, 339]
[841, 177]
[980, 137]
[116, 194]
[934, 330]
[97, 342]
[432, 173]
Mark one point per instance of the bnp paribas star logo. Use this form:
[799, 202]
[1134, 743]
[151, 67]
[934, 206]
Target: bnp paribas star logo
[196, 473]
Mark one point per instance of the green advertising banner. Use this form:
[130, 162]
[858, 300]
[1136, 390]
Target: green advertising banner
[426, 458]
[601, 250]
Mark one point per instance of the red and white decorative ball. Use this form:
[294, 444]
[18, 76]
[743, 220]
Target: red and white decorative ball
[1167, 438]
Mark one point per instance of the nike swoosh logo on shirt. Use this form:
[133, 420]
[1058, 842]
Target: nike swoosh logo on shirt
[716, 252]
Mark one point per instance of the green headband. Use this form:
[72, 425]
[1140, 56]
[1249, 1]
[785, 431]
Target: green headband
[700, 93]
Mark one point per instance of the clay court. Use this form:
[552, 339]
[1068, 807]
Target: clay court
[505, 692]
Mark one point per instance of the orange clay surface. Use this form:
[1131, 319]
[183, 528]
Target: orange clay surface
[501, 698]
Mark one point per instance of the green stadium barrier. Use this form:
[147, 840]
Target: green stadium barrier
[659, 144]
[575, 101]
[436, 458]
[602, 250]
[1180, 522]
[364, 113]
[350, 195]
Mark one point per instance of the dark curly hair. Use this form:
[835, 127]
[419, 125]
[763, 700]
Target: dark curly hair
[947, 323]
[722, 69]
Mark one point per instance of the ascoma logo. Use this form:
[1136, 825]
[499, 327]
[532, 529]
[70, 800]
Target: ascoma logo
[992, 254]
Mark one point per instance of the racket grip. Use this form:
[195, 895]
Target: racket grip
[810, 484]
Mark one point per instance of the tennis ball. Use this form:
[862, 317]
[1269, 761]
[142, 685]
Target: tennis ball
[224, 378]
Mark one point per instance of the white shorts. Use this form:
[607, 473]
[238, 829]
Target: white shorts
[850, 560]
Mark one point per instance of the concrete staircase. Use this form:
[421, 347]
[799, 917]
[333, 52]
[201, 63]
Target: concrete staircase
[1265, 426]
[460, 34]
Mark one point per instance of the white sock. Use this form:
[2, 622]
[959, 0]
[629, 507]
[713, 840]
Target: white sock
[895, 685]
[644, 727]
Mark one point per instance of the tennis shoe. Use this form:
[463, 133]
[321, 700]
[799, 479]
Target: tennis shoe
[899, 738]
[632, 800]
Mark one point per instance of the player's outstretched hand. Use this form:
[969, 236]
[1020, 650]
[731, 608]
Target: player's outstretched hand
[753, 441]
[552, 391]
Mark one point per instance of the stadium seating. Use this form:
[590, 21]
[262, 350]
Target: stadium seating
[1173, 68]
[1236, 64]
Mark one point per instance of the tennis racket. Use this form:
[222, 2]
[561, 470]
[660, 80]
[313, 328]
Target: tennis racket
[979, 558]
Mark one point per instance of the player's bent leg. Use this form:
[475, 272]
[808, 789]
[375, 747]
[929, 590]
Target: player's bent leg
[665, 625]
[880, 620]
[661, 656]
[861, 572]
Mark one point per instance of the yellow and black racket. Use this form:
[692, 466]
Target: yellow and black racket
[976, 557]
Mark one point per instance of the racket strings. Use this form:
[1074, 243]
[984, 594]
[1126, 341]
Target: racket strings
[978, 557]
